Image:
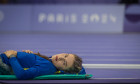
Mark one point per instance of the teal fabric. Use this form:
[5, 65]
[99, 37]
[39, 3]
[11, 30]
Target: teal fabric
[49, 77]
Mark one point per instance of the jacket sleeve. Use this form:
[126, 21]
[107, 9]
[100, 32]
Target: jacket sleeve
[20, 55]
[20, 72]
[5, 59]
[82, 71]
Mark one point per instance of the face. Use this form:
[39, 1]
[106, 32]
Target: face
[63, 61]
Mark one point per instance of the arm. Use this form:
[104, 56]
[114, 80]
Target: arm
[17, 68]
[20, 72]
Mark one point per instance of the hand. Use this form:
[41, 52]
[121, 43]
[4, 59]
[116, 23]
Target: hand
[27, 51]
[10, 52]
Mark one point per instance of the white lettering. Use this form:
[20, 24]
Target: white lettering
[94, 17]
[73, 18]
[42, 17]
[85, 18]
[112, 18]
[51, 18]
[59, 18]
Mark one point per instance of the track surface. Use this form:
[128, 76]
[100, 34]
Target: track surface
[94, 49]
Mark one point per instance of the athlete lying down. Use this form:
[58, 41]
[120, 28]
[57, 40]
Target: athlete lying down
[28, 65]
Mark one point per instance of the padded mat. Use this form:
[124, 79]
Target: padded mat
[44, 77]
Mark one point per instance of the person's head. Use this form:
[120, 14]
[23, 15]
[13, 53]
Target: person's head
[70, 63]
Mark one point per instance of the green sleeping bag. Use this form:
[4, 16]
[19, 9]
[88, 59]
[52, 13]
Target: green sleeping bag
[44, 77]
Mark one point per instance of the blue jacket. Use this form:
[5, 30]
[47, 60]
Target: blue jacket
[37, 65]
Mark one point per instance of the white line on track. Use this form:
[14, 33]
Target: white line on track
[114, 78]
[111, 59]
[112, 66]
[87, 55]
